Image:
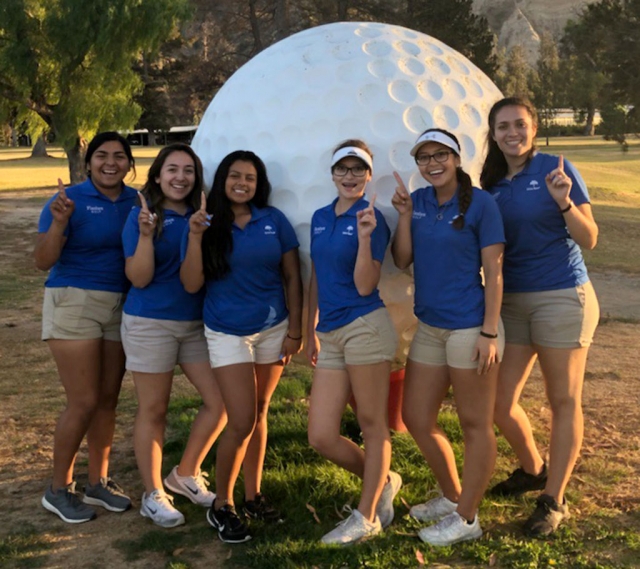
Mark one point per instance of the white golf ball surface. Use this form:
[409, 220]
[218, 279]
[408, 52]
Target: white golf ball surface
[298, 99]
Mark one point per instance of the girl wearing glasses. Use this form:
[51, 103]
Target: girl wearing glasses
[550, 310]
[450, 230]
[351, 341]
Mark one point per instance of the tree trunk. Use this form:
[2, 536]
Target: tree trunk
[39, 148]
[75, 156]
[590, 128]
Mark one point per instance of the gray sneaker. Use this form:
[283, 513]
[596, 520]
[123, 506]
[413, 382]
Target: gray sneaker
[65, 503]
[352, 530]
[107, 494]
[385, 510]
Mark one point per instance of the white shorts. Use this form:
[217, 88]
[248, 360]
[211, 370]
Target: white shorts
[260, 348]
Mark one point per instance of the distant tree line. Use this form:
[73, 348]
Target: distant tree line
[68, 70]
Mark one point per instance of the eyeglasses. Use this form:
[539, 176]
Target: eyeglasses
[440, 157]
[357, 171]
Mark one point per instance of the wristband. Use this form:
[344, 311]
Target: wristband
[295, 339]
[485, 335]
[566, 209]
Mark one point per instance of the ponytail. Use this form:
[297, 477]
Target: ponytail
[465, 195]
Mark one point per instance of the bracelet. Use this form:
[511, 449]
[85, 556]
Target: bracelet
[566, 209]
[485, 335]
[295, 339]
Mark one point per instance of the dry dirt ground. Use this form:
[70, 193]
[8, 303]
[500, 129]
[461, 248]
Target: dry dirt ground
[31, 399]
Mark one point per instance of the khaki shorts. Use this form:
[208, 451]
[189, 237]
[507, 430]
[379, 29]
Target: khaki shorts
[565, 318]
[153, 345]
[454, 348]
[369, 339]
[70, 313]
[261, 348]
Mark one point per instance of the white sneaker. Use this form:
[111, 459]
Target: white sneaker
[433, 510]
[385, 510]
[451, 529]
[192, 487]
[353, 529]
[158, 506]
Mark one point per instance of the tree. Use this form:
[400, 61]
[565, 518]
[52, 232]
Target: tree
[517, 76]
[547, 89]
[70, 63]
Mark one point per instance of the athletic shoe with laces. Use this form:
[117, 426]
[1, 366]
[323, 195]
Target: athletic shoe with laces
[108, 494]
[451, 529]
[384, 509]
[433, 510]
[230, 527]
[192, 487]
[158, 507]
[520, 482]
[546, 517]
[260, 509]
[353, 529]
[67, 505]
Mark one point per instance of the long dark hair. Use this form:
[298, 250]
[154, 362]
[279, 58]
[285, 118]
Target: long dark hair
[465, 187]
[99, 139]
[217, 242]
[152, 191]
[495, 166]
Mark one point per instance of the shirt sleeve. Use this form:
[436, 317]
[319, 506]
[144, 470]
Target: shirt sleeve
[131, 233]
[184, 243]
[579, 193]
[46, 218]
[490, 226]
[286, 232]
[380, 237]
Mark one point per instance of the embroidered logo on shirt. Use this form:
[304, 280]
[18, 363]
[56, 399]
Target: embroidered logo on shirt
[318, 230]
[268, 230]
[533, 186]
[95, 208]
[168, 221]
[419, 214]
[496, 194]
[348, 230]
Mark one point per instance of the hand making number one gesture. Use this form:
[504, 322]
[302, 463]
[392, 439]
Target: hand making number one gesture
[200, 220]
[367, 219]
[559, 184]
[401, 199]
[147, 221]
[62, 207]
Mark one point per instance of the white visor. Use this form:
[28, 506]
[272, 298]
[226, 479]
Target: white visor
[352, 151]
[435, 136]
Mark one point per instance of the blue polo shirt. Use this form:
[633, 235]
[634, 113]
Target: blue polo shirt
[92, 256]
[250, 298]
[539, 254]
[164, 297]
[334, 248]
[447, 261]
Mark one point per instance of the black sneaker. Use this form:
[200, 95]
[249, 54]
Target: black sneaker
[520, 482]
[260, 509]
[230, 527]
[546, 517]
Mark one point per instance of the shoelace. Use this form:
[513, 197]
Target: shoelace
[201, 481]
[163, 498]
[346, 509]
[113, 487]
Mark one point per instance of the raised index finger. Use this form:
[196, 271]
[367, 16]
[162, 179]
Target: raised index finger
[61, 190]
[373, 200]
[203, 202]
[561, 163]
[399, 180]
[143, 203]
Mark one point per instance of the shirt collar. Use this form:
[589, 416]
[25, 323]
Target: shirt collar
[361, 204]
[432, 198]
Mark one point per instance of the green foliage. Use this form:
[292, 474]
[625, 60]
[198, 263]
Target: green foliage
[516, 77]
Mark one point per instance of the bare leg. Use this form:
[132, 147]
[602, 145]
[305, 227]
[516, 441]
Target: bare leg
[370, 385]
[267, 378]
[509, 415]
[78, 363]
[237, 384]
[152, 391]
[103, 422]
[425, 388]
[209, 421]
[330, 392]
[563, 370]
[475, 397]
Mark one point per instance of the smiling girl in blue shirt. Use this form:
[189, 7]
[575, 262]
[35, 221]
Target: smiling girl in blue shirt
[162, 327]
[351, 341]
[450, 230]
[550, 310]
[246, 253]
[79, 240]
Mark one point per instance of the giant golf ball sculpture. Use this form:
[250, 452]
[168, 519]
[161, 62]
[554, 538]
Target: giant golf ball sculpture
[295, 101]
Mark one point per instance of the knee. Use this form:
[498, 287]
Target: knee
[418, 423]
[84, 407]
[477, 430]
[566, 405]
[154, 415]
[262, 410]
[373, 427]
[322, 440]
[241, 427]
